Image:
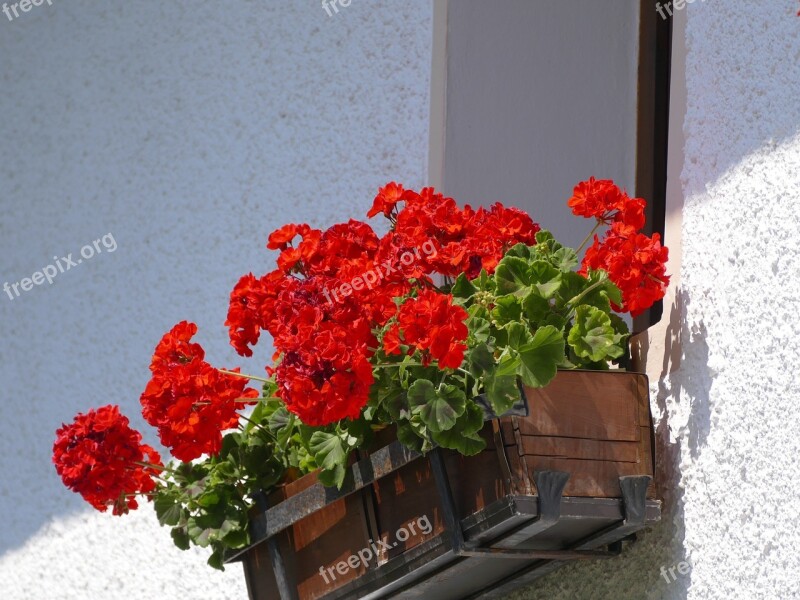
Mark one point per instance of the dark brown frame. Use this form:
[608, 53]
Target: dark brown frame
[652, 127]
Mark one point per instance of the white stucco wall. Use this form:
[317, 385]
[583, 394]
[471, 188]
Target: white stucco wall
[187, 130]
[725, 359]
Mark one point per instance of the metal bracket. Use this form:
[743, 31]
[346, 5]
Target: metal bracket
[550, 486]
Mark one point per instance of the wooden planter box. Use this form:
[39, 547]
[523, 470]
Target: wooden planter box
[568, 482]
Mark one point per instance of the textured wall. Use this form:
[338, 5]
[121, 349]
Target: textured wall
[187, 130]
[726, 400]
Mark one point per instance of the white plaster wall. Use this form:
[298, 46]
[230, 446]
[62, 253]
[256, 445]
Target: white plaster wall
[188, 130]
[725, 358]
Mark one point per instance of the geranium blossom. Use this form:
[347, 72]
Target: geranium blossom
[433, 325]
[635, 262]
[189, 401]
[102, 458]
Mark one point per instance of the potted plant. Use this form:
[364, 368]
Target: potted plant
[389, 349]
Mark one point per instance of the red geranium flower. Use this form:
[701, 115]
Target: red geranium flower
[636, 263]
[100, 457]
[386, 200]
[189, 401]
[432, 324]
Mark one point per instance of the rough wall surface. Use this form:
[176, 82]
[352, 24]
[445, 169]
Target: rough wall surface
[188, 131]
[725, 403]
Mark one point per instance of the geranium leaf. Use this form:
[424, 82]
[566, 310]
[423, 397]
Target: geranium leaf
[507, 364]
[501, 392]
[479, 329]
[333, 477]
[541, 356]
[468, 445]
[328, 449]
[512, 276]
[536, 307]
[462, 287]
[181, 537]
[168, 510]
[592, 336]
[507, 309]
[519, 250]
[480, 360]
[438, 408]
[408, 437]
[564, 259]
[544, 278]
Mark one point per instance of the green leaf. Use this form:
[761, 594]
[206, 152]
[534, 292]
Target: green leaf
[236, 538]
[396, 404]
[216, 560]
[512, 276]
[208, 499]
[545, 278]
[479, 329]
[480, 360]
[507, 309]
[199, 533]
[333, 477]
[438, 408]
[507, 364]
[541, 356]
[168, 510]
[518, 335]
[279, 419]
[592, 336]
[328, 449]
[462, 287]
[608, 289]
[501, 392]
[484, 282]
[181, 537]
[520, 251]
[408, 437]
[464, 436]
[564, 259]
[544, 238]
[536, 307]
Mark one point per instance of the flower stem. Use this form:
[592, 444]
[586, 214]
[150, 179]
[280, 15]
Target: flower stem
[261, 427]
[235, 374]
[588, 237]
[152, 466]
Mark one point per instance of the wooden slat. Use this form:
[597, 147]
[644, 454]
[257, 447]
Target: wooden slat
[560, 447]
[588, 478]
[582, 405]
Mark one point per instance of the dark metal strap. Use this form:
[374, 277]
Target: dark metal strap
[297, 507]
[550, 486]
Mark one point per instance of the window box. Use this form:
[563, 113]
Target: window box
[569, 481]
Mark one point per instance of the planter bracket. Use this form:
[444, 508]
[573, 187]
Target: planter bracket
[550, 488]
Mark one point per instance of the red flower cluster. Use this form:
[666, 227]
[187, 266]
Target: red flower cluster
[602, 199]
[100, 457]
[188, 400]
[635, 262]
[464, 240]
[432, 324]
[324, 373]
[323, 340]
